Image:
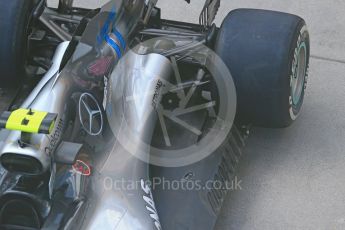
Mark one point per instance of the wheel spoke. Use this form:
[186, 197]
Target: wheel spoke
[179, 112]
[185, 98]
[186, 85]
[207, 95]
[184, 124]
[163, 126]
[181, 92]
[191, 91]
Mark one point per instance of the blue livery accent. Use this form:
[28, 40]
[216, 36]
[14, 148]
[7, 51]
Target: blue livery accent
[104, 34]
[105, 29]
[120, 38]
[114, 45]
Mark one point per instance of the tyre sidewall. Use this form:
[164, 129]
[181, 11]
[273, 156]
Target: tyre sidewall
[14, 42]
[301, 37]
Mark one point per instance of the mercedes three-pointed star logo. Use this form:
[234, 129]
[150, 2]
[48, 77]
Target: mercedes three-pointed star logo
[90, 114]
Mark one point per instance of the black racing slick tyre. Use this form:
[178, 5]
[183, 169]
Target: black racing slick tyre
[14, 21]
[267, 53]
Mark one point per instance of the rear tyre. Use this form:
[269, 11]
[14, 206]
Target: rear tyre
[267, 53]
[14, 21]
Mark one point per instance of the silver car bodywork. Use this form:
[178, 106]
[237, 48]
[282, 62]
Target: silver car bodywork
[77, 201]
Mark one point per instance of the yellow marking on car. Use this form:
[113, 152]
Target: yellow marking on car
[25, 121]
[28, 121]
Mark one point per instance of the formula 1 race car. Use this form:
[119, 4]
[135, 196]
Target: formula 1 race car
[115, 118]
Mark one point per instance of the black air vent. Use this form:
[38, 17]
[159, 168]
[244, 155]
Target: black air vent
[19, 163]
[19, 214]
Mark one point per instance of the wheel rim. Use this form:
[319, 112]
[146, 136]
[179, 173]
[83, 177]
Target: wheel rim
[298, 78]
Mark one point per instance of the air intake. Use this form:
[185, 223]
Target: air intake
[13, 162]
[19, 214]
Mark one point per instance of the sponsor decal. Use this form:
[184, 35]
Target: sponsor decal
[82, 168]
[150, 204]
[295, 97]
[55, 138]
[157, 94]
[90, 114]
